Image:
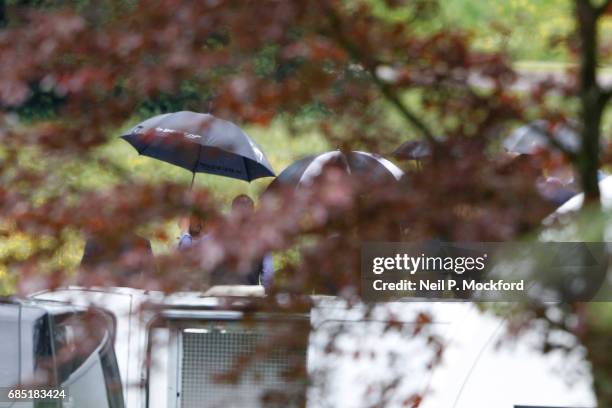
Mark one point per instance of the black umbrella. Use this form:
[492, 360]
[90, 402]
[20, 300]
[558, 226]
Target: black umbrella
[366, 165]
[200, 143]
[413, 150]
[530, 138]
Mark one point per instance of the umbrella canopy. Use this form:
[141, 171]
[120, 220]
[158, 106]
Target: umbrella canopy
[575, 203]
[413, 150]
[529, 139]
[306, 170]
[200, 143]
[555, 191]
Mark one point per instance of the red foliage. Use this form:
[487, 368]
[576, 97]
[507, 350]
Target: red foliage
[104, 62]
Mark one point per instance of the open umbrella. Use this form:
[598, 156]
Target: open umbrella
[530, 138]
[200, 143]
[413, 150]
[367, 165]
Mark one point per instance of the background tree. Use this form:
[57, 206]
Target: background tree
[363, 74]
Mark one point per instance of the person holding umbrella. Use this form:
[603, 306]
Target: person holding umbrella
[557, 182]
[262, 272]
[200, 143]
[191, 229]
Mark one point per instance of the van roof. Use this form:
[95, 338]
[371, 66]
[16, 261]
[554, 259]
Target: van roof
[45, 306]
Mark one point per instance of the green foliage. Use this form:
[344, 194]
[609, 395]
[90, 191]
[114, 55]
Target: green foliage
[526, 28]
[41, 105]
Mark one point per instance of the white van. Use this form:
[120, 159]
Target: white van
[191, 339]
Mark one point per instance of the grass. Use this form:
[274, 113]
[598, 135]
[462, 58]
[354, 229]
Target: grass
[553, 66]
[525, 28]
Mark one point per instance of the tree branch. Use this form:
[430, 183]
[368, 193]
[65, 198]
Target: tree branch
[392, 97]
[384, 88]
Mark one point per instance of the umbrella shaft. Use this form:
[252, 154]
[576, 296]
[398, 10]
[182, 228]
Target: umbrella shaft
[192, 180]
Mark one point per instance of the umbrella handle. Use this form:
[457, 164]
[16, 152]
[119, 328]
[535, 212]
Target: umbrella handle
[192, 180]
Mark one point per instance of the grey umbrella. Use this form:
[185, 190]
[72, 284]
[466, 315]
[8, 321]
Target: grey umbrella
[200, 143]
[362, 164]
[530, 138]
[413, 150]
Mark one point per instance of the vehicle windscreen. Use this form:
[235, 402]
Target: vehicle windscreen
[76, 336]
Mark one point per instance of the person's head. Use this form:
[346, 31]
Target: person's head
[243, 203]
[196, 224]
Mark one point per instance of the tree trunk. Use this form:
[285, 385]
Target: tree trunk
[593, 101]
[590, 100]
[2, 13]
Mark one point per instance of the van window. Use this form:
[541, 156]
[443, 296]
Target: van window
[76, 336]
[44, 369]
[114, 389]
